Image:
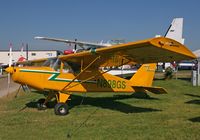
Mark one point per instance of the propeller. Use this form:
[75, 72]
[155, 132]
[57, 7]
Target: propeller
[9, 67]
[10, 70]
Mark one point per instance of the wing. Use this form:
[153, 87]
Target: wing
[80, 43]
[145, 51]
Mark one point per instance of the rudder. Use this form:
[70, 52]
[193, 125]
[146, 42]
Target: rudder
[144, 76]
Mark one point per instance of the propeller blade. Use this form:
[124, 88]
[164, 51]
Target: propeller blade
[10, 56]
[9, 64]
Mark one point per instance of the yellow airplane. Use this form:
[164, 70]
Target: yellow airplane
[81, 72]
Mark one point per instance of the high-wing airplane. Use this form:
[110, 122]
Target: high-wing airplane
[80, 72]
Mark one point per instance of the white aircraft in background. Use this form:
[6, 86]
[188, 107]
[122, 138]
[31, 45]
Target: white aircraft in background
[82, 44]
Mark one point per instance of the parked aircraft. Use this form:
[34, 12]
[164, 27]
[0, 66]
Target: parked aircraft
[80, 72]
[82, 44]
[186, 65]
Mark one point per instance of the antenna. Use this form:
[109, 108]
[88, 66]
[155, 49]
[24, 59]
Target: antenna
[26, 51]
[75, 46]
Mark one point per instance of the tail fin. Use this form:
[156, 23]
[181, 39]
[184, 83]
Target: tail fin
[144, 76]
[175, 30]
[142, 80]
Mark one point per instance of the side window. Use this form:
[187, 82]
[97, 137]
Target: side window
[75, 67]
[51, 62]
[33, 54]
[67, 68]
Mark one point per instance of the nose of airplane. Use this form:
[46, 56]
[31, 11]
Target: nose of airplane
[9, 70]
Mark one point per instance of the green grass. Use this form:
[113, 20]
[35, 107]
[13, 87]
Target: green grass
[107, 116]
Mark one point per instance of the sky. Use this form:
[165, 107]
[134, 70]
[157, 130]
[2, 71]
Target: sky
[93, 21]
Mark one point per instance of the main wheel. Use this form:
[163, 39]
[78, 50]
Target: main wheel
[41, 105]
[61, 109]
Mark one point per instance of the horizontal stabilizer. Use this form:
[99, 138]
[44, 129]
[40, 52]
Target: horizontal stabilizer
[155, 90]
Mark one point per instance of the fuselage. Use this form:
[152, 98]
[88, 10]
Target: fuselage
[45, 78]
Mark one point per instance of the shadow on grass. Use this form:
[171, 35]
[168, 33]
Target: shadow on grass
[33, 104]
[163, 79]
[111, 103]
[185, 79]
[196, 101]
[192, 95]
[141, 95]
[196, 119]
[193, 102]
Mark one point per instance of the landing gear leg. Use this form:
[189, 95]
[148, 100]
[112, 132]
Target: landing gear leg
[62, 108]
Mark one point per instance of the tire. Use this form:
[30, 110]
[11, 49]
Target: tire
[61, 109]
[41, 105]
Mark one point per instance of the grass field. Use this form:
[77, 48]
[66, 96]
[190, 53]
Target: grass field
[107, 116]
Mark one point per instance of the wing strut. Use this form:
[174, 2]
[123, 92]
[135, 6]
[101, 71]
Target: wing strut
[82, 71]
[82, 81]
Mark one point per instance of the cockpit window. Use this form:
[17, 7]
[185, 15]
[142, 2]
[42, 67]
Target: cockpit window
[67, 68]
[50, 62]
[74, 66]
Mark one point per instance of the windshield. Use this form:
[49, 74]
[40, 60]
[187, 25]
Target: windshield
[49, 62]
[56, 65]
[68, 67]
